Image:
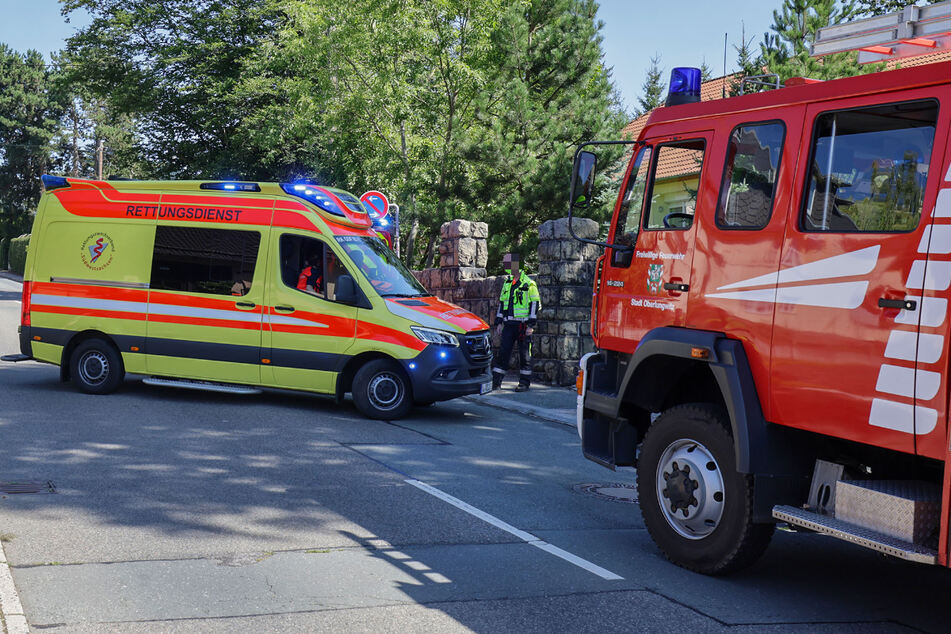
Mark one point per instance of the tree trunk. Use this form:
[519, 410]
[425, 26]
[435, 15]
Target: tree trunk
[428, 255]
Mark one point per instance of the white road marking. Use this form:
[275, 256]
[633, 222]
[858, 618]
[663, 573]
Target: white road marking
[524, 536]
[10, 607]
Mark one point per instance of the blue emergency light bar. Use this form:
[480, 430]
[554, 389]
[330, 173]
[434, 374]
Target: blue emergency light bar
[232, 187]
[684, 86]
[53, 182]
[311, 194]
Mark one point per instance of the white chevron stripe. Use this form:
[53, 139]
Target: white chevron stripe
[936, 239]
[942, 206]
[847, 295]
[903, 417]
[847, 264]
[903, 381]
[932, 309]
[933, 276]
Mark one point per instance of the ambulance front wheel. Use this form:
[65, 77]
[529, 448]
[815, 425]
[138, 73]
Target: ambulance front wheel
[382, 391]
[96, 367]
[696, 506]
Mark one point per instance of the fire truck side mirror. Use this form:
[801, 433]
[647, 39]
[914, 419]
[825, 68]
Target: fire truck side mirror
[582, 179]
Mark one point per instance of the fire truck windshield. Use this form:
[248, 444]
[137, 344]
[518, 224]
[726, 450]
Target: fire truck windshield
[381, 267]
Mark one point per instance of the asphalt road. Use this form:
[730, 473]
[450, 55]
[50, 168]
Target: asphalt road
[189, 511]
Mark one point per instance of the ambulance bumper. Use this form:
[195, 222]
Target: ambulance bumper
[440, 373]
[26, 341]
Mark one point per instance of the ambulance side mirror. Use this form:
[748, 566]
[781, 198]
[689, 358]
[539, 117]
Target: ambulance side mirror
[346, 291]
[582, 178]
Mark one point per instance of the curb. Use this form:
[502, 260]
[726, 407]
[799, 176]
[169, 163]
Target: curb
[9, 275]
[521, 408]
[12, 618]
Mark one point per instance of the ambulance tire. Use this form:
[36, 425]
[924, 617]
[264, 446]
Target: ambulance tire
[96, 367]
[687, 462]
[382, 391]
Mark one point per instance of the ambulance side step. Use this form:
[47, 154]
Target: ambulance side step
[206, 386]
[846, 531]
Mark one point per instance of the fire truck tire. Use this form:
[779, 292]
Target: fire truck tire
[96, 367]
[382, 391]
[697, 508]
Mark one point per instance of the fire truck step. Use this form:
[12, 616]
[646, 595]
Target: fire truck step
[828, 525]
[206, 386]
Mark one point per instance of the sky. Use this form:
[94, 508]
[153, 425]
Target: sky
[687, 33]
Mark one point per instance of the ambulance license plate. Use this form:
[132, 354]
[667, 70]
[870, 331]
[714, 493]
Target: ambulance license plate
[485, 388]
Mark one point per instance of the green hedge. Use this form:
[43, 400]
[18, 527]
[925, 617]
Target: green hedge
[18, 248]
[4, 248]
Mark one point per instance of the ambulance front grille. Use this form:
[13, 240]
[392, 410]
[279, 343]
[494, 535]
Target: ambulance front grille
[476, 346]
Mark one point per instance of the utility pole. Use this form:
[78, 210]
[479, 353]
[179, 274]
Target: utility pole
[99, 149]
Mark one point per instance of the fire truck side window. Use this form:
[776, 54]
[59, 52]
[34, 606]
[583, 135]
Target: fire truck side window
[749, 179]
[197, 260]
[629, 213]
[868, 168]
[674, 187]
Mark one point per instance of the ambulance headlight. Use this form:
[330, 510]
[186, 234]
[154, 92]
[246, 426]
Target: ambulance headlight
[438, 337]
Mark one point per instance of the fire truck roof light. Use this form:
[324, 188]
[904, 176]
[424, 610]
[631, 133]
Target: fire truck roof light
[684, 86]
[232, 187]
[53, 182]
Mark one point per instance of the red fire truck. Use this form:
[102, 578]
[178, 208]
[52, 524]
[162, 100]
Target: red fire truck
[771, 318]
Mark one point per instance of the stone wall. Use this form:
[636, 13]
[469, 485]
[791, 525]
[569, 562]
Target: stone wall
[566, 270]
[565, 278]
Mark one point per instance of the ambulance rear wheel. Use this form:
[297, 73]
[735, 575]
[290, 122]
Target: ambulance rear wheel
[96, 367]
[697, 508]
[382, 391]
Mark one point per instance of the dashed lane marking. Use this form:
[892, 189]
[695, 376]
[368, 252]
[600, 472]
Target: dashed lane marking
[528, 538]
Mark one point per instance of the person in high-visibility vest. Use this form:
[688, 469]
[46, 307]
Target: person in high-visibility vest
[515, 320]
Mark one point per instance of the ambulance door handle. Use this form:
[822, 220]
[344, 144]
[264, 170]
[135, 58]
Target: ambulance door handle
[676, 286]
[245, 305]
[284, 309]
[902, 304]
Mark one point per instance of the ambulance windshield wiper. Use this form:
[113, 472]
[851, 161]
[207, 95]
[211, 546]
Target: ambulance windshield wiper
[406, 294]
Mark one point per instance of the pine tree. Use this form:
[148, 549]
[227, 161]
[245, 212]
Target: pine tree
[652, 89]
[748, 65]
[705, 73]
[881, 7]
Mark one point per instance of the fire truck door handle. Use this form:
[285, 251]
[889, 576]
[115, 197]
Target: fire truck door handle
[284, 309]
[676, 286]
[245, 305]
[902, 304]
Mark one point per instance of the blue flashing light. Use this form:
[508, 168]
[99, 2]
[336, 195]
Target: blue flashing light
[313, 195]
[384, 223]
[54, 182]
[443, 355]
[412, 366]
[232, 187]
[684, 86]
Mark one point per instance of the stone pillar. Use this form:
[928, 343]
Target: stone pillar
[566, 270]
[463, 254]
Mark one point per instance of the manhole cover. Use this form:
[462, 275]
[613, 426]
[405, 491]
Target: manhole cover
[613, 491]
[12, 488]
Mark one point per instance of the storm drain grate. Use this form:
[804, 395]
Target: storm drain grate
[12, 488]
[613, 491]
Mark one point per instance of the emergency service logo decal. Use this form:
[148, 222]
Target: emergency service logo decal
[97, 251]
[655, 272]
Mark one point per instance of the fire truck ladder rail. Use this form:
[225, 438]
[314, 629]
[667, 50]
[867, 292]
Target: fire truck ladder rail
[828, 525]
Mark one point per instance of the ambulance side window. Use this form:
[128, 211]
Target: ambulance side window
[199, 260]
[310, 266]
[868, 168]
[749, 178]
[629, 213]
[674, 186]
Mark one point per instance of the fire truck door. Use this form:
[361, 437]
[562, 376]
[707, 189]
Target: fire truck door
[845, 342]
[647, 286]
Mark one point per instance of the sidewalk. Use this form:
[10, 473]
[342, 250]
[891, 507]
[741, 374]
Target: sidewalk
[555, 404]
[10, 275]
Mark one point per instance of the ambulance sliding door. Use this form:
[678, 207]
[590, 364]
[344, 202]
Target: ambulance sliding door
[847, 358]
[205, 304]
[307, 334]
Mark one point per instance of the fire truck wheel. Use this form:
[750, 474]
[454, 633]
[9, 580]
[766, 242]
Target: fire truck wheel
[697, 508]
[382, 391]
[96, 367]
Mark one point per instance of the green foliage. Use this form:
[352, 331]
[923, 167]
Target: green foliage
[652, 89]
[18, 249]
[4, 252]
[31, 103]
[881, 7]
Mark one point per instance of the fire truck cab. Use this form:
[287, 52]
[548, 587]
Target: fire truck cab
[770, 317]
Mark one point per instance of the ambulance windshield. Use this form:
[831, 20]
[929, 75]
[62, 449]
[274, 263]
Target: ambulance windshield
[382, 268]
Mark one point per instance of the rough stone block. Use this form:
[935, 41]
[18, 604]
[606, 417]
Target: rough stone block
[447, 260]
[569, 348]
[480, 230]
[549, 295]
[545, 231]
[466, 251]
[577, 296]
[583, 227]
[471, 273]
[549, 250]
[482, 252]
[568, 328]
[457, 229]
[575, 314]
[575, 273]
